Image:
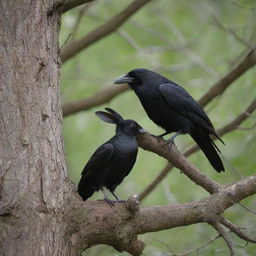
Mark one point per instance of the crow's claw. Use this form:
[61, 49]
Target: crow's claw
[111, 203]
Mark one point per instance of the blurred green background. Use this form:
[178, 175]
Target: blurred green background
[182, 40]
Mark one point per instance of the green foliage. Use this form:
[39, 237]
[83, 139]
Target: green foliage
[180, 40]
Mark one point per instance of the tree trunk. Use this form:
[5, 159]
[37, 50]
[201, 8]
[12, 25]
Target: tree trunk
[33, 172]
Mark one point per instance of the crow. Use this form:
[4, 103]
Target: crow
[113, 160]
[171, 107]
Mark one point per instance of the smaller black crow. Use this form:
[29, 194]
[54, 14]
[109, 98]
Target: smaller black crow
[113, 160]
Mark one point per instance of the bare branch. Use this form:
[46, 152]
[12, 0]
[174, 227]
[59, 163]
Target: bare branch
[247, 62]
[232, 32]
[247, 128]
[107, 28]
[221, 230]
[159, 146]
[70, 4]
[101, 97]
[200, 247]
[129, 39]
[239, 119]
[180, 37]
[222, 131]
[66, 40]
[155, 182]
[165, 244]
[78, 19]
[236, 230]
[98, 223]
[247, 208]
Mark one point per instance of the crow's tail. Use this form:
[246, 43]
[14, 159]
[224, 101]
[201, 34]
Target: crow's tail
[207, 145]
[85, 190]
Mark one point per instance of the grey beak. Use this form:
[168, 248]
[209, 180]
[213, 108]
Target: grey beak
[142, 130]
[124, 80]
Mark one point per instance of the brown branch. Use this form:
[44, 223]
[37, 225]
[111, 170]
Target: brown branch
[155, 182]
[107, 28]
[225, 235]
[172, 28]
[247, 208]
[159, 147]
[70, 4]
[198, 248]
[236, 230]
[79, 17]
[238, 120]
[222, 131]
[247, 62]
[247, 128]
[101, 97]
[95, 222]
[231, 32]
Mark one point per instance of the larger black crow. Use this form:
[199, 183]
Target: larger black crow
[113, 160]
[171, 107]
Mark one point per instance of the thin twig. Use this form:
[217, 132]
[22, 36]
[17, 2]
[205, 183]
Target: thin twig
[161, 242]
[65, 42]
[103, 30]
[129, 39]
[178, 34]
[200, 247]
[236, 230]
[217, 89]
[247, 128]
[225, 235]
[169, 46]
[155, 182]
[247, 208]
[232, 32]
[102, 96]
[80, 15]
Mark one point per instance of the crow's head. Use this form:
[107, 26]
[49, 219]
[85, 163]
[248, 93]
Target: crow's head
[129, 127]
[140, 76]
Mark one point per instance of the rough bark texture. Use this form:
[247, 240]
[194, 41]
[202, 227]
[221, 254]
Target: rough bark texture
[32, 161]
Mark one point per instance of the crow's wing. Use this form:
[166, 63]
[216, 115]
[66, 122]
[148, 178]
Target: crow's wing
[179, 100]
[98, 160]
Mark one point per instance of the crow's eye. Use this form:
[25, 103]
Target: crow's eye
[132, 74]
[132, 124]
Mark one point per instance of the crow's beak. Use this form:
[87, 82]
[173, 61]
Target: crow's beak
[142, 130]
[124, 80]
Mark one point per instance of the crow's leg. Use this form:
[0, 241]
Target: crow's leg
[116, 197]
[162, 135]
[110, 202]
[171, 140]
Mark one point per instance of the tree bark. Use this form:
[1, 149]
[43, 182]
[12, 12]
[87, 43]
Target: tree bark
[33, 168]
